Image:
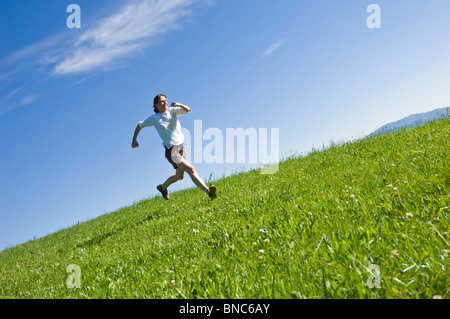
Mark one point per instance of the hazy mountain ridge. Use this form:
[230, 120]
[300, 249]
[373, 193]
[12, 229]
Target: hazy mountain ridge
[413, 120]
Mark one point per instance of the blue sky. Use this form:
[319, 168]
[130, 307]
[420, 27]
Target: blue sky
[71, 98]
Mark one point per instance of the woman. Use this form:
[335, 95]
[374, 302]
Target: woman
[168, 126]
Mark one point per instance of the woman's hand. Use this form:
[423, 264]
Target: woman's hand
[184, 107]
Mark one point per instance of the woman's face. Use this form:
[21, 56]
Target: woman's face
[162, 105]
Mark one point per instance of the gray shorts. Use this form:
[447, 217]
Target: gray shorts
[175, 154]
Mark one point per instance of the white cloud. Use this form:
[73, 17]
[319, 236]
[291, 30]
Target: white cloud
[272, 48]
[113, 39]
[123, 34]
[269, 51]
[14, 92]
[28, 99]
[23, 101]
[4, 76]
[108, 44]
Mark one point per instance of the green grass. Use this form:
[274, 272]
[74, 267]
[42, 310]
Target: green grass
[311, 230]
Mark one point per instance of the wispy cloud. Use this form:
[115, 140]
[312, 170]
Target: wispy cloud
[14, 92]
[22, 102]
[4, 76]
[28, 99]
[123, 34]
[270, 50]
[108, 44]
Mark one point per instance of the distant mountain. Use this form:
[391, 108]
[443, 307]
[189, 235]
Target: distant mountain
[413, 120]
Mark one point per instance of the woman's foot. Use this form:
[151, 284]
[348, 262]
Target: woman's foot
[163, 191]
[212, 192]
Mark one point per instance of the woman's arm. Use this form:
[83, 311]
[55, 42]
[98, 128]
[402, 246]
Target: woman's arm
[134, 143]
[184, 107]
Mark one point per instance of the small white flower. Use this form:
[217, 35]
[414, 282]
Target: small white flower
[262, 230]
[266, 240]
[173, 282]
[394, 254]
[310, 213]
[254, 243]
[226, 235]
[260, 257]
[261, 251]
[409, 215]
[352, 196]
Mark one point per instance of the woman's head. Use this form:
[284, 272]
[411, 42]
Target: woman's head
[160, 103]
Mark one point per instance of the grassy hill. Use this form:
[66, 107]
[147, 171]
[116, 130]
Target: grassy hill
[318, 228]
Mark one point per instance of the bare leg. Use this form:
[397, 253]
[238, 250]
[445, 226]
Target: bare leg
[178, 176]
[188, 168]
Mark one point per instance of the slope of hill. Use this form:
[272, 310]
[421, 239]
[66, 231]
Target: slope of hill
[365, 219]
[414, 120]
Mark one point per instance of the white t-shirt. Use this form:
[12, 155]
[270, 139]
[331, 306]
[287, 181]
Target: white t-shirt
[168, 126]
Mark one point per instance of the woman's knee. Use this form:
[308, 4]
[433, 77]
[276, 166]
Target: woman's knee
[191, 170]
[180, 176]
[188, 168]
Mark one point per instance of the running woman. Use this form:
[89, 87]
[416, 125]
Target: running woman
[166, 122]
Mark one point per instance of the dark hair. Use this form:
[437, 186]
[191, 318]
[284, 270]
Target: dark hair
[155, 101]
